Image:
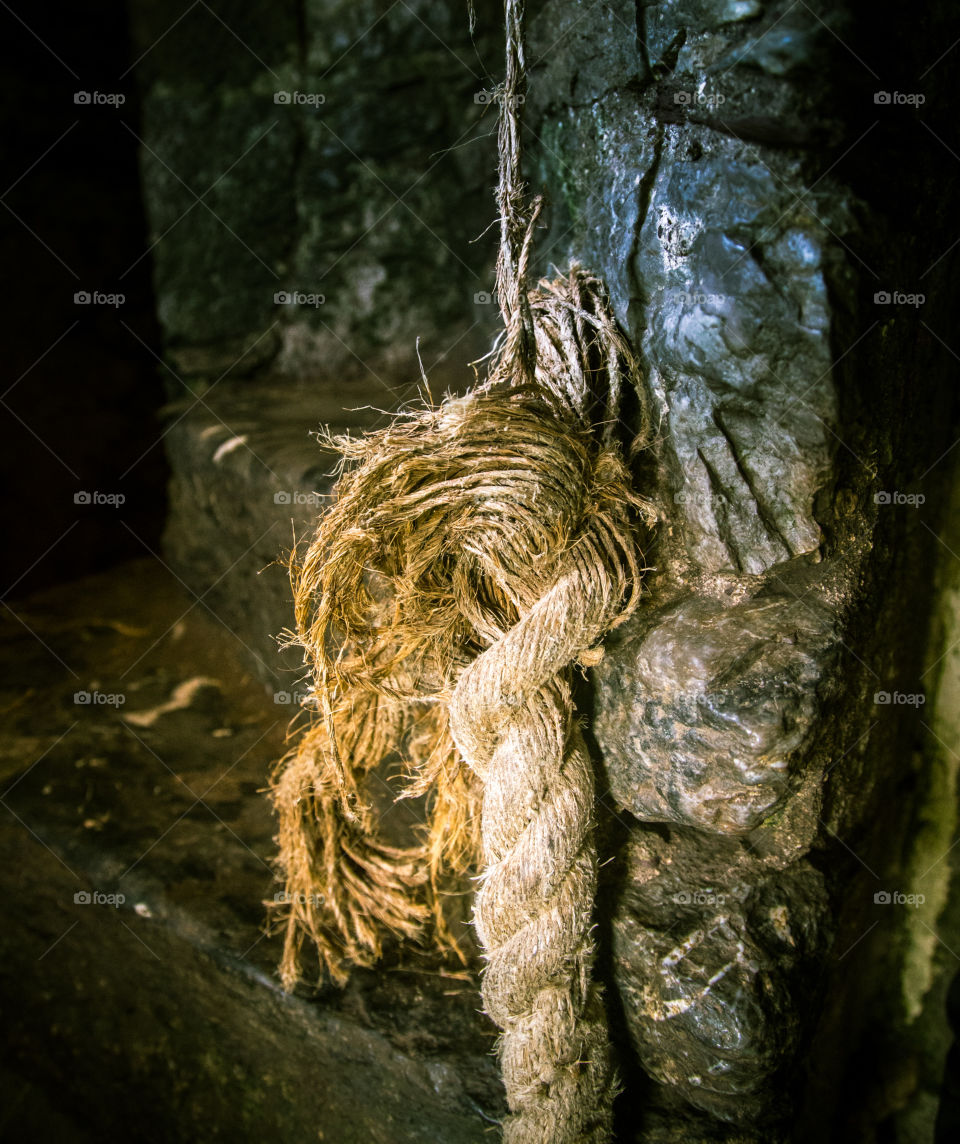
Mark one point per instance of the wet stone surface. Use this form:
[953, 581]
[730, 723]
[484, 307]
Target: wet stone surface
[717, 960]
[720, 266]
[705, 708]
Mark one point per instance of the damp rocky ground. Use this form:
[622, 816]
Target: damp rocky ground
[138, 991]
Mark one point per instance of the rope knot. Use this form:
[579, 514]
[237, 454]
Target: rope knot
[474, 554]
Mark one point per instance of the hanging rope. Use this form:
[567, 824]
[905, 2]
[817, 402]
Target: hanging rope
[475, 553]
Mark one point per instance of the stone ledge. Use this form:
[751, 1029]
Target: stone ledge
[248, 478]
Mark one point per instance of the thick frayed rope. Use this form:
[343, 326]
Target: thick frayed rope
[474, 554]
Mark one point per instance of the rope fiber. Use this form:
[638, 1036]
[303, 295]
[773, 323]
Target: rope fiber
[475, 553]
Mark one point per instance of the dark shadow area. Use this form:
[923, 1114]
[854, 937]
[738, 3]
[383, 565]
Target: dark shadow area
[81, 392]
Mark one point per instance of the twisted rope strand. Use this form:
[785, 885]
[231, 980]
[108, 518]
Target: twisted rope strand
[475, 552]
[511, 715]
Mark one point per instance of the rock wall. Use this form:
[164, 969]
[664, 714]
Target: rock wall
[315, 174]
[758, 720]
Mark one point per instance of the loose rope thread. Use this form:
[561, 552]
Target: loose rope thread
[475, 553]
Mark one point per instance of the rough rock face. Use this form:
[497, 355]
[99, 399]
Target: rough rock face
[740, 957]
[725, 166]
[713, 704]
[697, 164]
[299, 169]
[714, 258]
